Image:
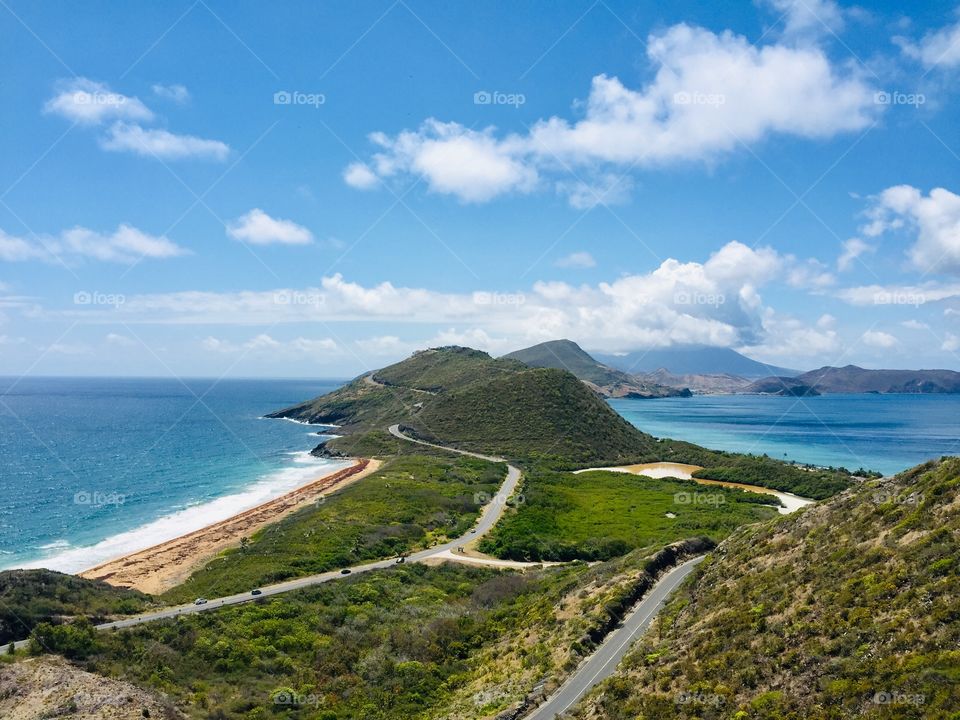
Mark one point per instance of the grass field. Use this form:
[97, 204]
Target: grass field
[598, 515]
[407, 504]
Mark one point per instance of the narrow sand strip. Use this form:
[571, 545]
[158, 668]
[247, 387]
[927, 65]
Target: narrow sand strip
[159, 568]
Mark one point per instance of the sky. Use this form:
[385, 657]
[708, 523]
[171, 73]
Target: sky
[307, 189]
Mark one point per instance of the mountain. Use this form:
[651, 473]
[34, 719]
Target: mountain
[609, 382]
[706, 384]
[850, 608]
[853, 379]
[785, 386]
[693, 360]
[465, 398]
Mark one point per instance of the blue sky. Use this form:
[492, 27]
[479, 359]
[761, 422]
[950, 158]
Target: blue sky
[206, 188]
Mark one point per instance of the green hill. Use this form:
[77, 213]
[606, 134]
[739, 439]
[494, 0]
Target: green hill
[465, 398]
[567, 355]
[848, 609]
[29, 597]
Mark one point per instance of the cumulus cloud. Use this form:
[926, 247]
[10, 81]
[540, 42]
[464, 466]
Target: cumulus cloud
[879, 339]
[360, 176]
[940, 47]
[578, 260]
[177, 93]
[951, 343]
[163, 144]
[893, 294]
[789, 337]
[852, 249]
[88, 102]
[710, 94]
[805, 17]
[934, 220]
[126, 244]
[258, 228]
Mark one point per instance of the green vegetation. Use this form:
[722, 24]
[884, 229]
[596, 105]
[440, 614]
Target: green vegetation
[446, 369]
[599, 515]
[410, 642]
[765, 472]
[849, 609]
[409, 503]
[29, 597]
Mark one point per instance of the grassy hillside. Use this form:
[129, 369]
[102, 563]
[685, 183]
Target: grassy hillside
[445, 369]
[452, 642]
[849, 609]
[407, 504]
[599, 515]
[29, 597]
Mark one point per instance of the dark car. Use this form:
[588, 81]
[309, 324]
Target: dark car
[345, 571]
[256, 592]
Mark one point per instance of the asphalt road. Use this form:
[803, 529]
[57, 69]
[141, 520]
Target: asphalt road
[605, 659]
[492, 512]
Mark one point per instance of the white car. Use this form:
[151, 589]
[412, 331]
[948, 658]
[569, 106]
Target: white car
[200, 601]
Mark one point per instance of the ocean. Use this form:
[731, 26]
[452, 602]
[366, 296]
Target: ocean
[888, 433]
[93, 468]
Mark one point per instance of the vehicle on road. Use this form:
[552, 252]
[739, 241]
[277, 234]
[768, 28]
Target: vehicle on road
[200, 601]
[345, 571]
[257, 591]
[401, 560]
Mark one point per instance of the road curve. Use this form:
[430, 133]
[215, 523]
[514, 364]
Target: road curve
[603, 662]
[491, 513]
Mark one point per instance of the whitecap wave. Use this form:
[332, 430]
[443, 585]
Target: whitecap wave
[60, 555]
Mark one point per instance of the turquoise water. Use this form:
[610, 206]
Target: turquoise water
[94, 468]
[888, 433]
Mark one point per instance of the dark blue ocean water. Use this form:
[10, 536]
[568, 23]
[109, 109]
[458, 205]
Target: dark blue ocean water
[888, 433]
[93, 468]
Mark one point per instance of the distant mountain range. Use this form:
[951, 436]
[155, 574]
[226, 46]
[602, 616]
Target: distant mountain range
[693, 360]
[608, 381]
[853, 379]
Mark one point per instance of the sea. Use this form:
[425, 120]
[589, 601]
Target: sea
[94, 468]
[887, 433]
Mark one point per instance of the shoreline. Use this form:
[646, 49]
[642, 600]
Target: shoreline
[158, 568]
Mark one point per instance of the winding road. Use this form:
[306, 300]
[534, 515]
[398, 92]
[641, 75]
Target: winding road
[597, 667]
[603, 662]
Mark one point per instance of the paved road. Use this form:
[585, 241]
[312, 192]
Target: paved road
[605, 659]
[488, 518]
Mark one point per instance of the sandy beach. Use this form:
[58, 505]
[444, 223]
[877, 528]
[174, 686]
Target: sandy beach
[158, 568]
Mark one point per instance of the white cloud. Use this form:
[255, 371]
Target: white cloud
[711, 94]
[787, 337]
[811, 274]
[915, 325]
[360, 176]
[610, 189]
[898, 294]
[263, 342]
[119, 340]
[126, 244]
[162, 144]
[177, 93]
[852, 249]
[578, 260]
[383, 345]
[938, 48]
[935, 220]
[258, 228]
[951, 343]
[805, 17]
[90, 103]
[879, 339]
